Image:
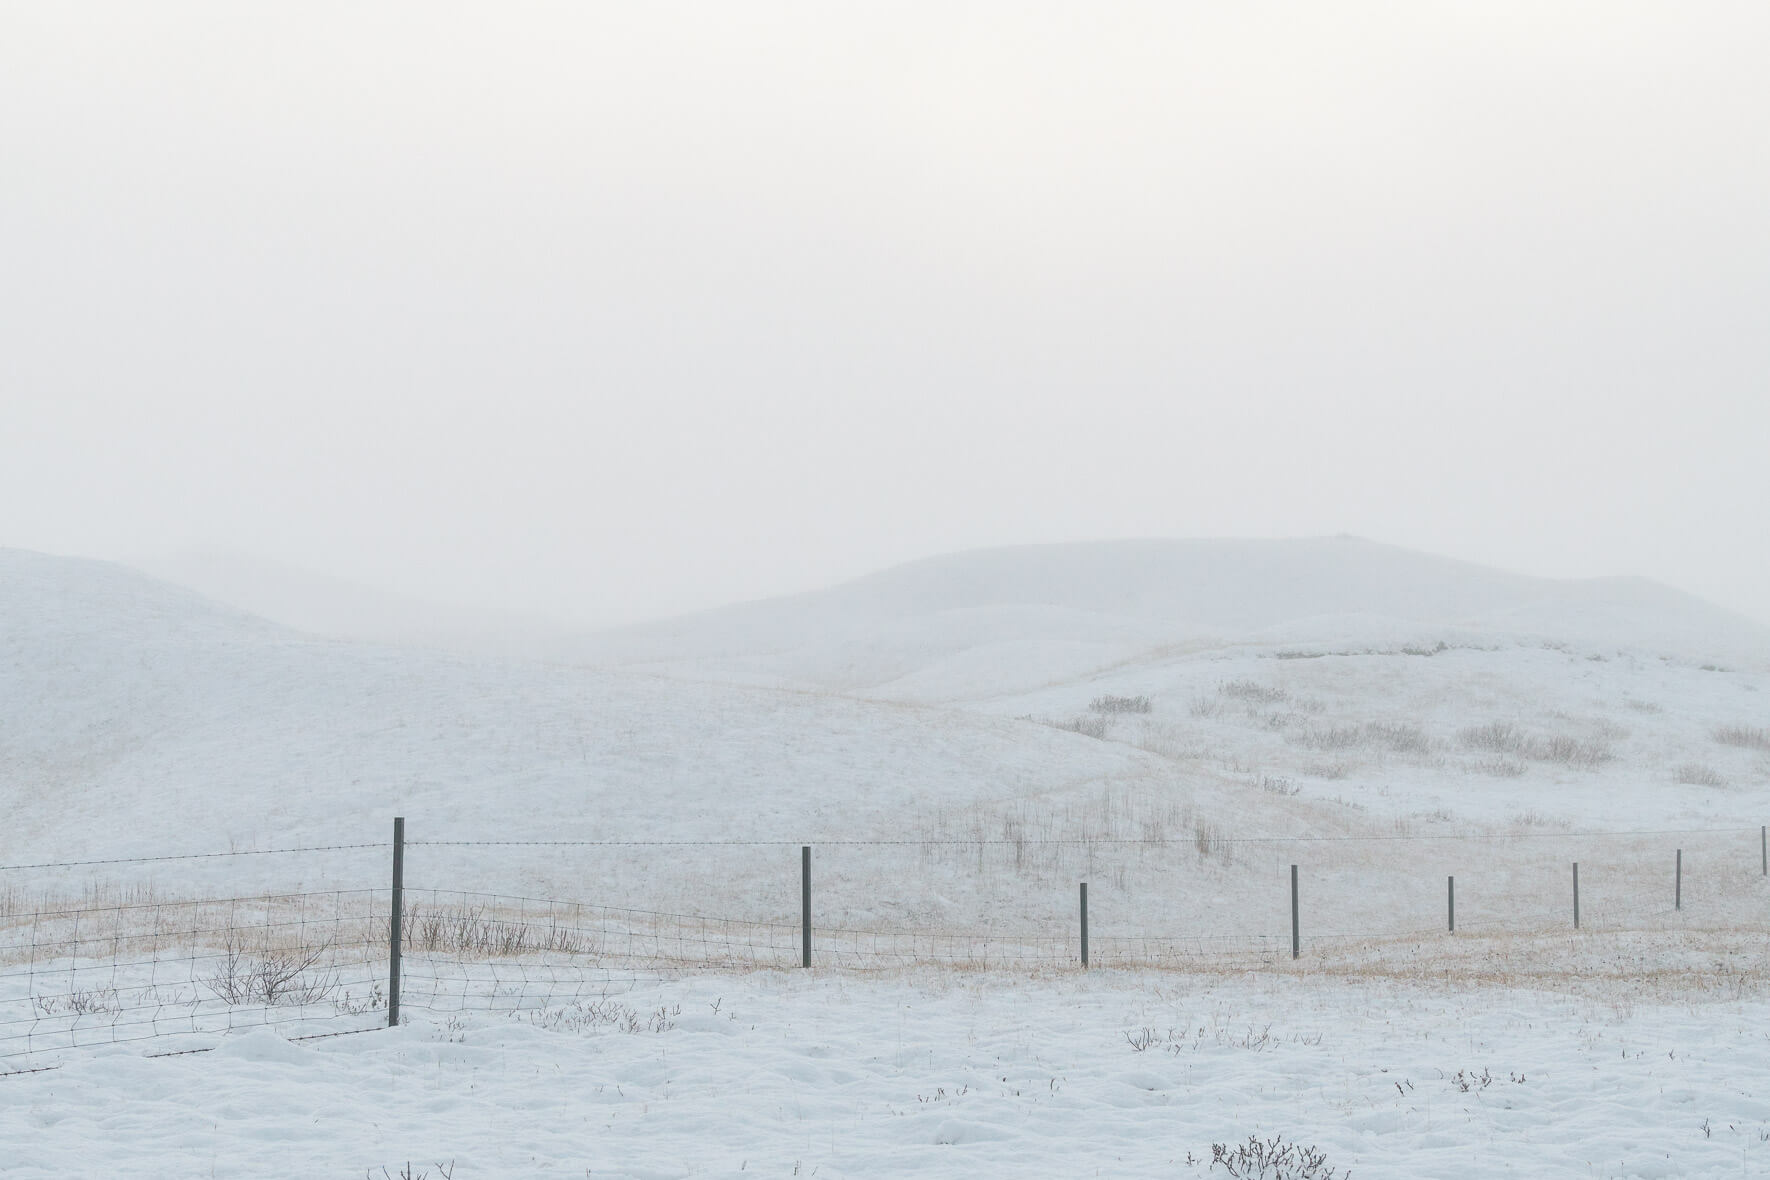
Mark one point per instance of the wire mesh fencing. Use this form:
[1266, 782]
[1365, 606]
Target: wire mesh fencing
[122, 960]
[74, 976]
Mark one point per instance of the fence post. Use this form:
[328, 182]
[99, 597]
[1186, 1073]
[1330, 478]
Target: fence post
[1296, 943]
[1576, 895]
[805, 904]
[1678, 883]
[399, 906]
[1764, 848]
[1453, 903]
[1084, 925]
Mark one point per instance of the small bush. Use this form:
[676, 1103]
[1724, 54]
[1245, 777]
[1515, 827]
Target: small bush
[1744, 736]
[1694, 774]
[1402, 739]
[1502, 737]
[1334, 737]
[272, 976]
[1094, 727]
[1112, 704]
[1270, 1159]
[1496, 737]
[1253, 692]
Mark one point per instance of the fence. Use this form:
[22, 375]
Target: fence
[122, 961]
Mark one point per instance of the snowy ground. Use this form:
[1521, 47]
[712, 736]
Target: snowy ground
[782, 1074]
[935, 724]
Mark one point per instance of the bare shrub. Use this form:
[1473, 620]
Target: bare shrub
[606, 1015]
[1252, 692]
[469, 930]
[1502, 737]
[272, 975]
[1094, 727]
[1333, 771]
[1402, 739]
[1496, 737]
[1499, 767]
[1270, 1159]
[1205, 707]
[1695, 774]
[1274, 785]
[1568, 751]
[101, 1001]
[1744, 736]
[1111, 704]
[1333, 737]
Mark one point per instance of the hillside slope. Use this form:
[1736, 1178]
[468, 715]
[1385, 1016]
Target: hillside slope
[981, 623]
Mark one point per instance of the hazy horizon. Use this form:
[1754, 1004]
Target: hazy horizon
[603, 314]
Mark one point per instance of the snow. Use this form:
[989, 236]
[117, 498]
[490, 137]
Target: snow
[779, 1074]
[1317, 703]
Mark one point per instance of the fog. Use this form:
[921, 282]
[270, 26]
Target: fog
[601, 312]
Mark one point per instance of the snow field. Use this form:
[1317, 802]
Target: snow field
[788, 1073]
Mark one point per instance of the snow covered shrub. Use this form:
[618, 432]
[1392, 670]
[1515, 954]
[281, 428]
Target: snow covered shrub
[1743, 736]
[1112, 704]
[1334, 737]
[1252, 691]
[1502, 737]
[1270, 1159]
[1496, 737]
[1695, 774]
[1094, 727]
[1400, 738]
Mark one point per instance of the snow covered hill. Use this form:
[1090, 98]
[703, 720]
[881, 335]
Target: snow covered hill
[982, 623]
[964, 697]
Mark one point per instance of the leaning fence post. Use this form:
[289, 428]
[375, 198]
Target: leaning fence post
[1296, 944]
[1678, 883]
[399, 905]
[805, 905]
[1084, 925]
[1576, 895]
[1452, 903]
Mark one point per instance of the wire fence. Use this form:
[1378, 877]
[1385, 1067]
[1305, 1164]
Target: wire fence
[117, 963]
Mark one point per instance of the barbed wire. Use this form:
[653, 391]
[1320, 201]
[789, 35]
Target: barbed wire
[1074, 841]
[142, 860]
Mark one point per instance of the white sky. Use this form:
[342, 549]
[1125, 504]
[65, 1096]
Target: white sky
[605, 311]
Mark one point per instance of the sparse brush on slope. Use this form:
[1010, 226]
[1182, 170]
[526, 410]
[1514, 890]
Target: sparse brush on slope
[1503, 737]
[1112, 704]
[1744, 736]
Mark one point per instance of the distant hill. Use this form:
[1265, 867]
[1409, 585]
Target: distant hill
[1030, 614]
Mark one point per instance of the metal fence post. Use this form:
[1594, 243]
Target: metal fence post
[1452, 902]
[1764, 848]
[399, 905]
[1084, 925]
[805, 904]
[1576, 895]
[1296, 942]
[1678, 883]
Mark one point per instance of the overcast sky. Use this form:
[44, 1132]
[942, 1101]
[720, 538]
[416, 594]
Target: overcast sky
[606, 311]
